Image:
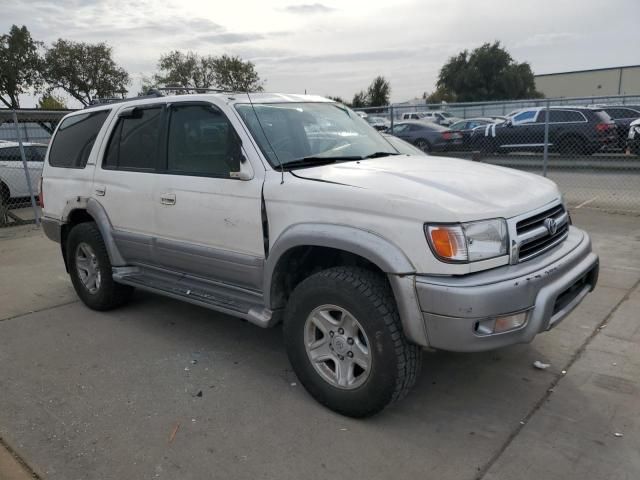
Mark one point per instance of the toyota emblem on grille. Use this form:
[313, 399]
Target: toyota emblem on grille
[551, 226]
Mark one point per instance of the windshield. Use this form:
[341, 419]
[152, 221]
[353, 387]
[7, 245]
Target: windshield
[293, 132]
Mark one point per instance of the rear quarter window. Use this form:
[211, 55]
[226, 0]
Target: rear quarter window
[74, 139]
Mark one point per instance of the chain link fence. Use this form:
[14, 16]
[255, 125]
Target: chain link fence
[24, 137]
[589, 146]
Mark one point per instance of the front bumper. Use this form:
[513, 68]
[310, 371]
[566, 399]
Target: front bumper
[548, 288]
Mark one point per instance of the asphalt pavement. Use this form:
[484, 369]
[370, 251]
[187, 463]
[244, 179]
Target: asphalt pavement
[161, 389]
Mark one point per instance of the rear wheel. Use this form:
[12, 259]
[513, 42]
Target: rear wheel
[90, 269]
[345, 341]
[423, 145]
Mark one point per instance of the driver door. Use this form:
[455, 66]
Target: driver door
[207, 201]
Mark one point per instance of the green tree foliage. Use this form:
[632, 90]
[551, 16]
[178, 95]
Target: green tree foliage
[85, 71]
[190, 70]
[336, 99]
[19, 65]
[360, 100]
[232, 73]
[51, 102]
[378, 92]
[487, 73]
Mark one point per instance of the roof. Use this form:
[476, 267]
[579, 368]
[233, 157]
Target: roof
[32, 115]
[587, 71]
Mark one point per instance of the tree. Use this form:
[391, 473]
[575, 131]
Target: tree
[190, 70]
[487, 73]
[19, 65]
[336, 99]
[85, 71]
[51, 102]
[232, 73]
[378, 92]
[360, 100]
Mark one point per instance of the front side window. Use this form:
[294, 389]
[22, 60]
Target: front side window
[36, 153]
[201, 141]
[10, 154]
[134, 141]
[292, 132]
[74, 139]
[525, 117]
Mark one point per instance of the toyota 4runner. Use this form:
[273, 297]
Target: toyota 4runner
[291, 208]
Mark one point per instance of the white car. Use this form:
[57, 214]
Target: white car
[291, 208]
[436, 116]
[633, 140]
[13, 180]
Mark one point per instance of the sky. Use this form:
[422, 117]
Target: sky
[330, 47]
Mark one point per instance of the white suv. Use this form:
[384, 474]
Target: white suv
[436, 116]
[292, 208]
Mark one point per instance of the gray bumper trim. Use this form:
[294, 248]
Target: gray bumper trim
[52, 228]
[451, 306]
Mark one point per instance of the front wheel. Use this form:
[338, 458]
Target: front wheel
[345, 342]
[90, 269]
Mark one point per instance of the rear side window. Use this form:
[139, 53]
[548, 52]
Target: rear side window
[74, 140]
[36, 154]
[135, 140]
[617, 113]
[11, 154]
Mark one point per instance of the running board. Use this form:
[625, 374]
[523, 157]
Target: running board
[235, 301]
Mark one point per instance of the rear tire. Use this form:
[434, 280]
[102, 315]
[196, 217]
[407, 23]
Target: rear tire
[346, 319]
[90, 269]
[423, 145]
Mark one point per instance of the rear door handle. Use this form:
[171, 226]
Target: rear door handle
[168, 198]
[100, 190]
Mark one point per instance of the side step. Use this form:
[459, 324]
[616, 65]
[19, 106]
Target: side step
[235, 301]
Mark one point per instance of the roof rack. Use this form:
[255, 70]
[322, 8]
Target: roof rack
[158, 92]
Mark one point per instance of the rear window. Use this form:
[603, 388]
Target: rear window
[74, 140]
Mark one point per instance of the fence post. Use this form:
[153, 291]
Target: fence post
[391, 117]
[26, 169]
[545, 155]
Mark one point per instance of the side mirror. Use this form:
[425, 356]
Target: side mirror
[236, 159]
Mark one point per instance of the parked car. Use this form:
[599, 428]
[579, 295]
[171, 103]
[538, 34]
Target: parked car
[427, 136]
[290, 208]
[362, 114]
[379, 123]
[403, 146]
[436, 116]
[14, 188]
[633, 138]
[465, 127]
[572, 130]
[622, 116]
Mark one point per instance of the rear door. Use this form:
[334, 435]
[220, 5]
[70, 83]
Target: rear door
[123, 182]
[207, 201]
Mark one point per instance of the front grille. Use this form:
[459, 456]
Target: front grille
[533, 236]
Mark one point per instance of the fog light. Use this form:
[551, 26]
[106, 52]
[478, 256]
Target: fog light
[501, 324]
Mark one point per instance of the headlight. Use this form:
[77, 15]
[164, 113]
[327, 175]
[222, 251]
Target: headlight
[468, 242]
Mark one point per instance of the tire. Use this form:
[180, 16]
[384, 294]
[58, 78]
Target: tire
[345, 293]
[423, 145]
[85, 247]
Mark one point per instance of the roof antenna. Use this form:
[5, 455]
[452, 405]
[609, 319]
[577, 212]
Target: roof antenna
[267, 138]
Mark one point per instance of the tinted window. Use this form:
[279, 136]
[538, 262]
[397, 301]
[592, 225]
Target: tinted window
[134, 141]
[617, 113]
[403, 127]
[10, 154]
[36, 154]
[526, 116]
[74, 140]
[562, 116]
[201, 141]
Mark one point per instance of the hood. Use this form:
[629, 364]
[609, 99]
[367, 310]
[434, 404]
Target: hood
[464, 189]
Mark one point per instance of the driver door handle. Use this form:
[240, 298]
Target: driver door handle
[168, 198]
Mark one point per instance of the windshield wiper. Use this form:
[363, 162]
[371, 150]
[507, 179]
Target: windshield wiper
[380, 154]
[314, 161]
